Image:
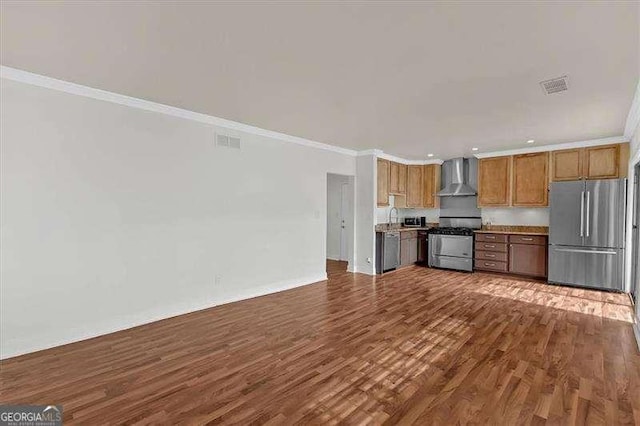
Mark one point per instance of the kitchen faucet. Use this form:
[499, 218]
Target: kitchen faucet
[391, 211]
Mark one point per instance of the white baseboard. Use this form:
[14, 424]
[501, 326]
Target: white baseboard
[10, 349]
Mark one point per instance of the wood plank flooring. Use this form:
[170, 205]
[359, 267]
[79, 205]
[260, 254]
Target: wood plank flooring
[416, 346]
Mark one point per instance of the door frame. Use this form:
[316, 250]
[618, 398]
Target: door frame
[635, 239]
[344, 212]
[347, 207]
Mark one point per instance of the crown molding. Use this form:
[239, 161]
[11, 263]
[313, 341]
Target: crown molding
[400, 160]
[380, 154]
[103, 95]
[556, 147]
[374, 152]
[633, 118]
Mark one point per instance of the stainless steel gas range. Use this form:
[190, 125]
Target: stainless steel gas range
[451, 244]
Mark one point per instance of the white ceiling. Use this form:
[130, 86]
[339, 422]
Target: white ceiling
[408, 78]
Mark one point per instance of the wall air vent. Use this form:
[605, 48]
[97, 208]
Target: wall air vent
[234, 142]
[222, 140]
[227, 141]
[555, 85]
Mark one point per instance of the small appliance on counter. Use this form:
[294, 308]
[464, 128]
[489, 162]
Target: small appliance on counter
[415, 222]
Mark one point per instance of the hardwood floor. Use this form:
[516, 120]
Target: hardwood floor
[415, 346]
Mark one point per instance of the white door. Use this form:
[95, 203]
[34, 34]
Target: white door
[344, 211]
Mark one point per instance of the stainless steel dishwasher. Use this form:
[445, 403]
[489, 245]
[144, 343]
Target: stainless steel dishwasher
[387, 251]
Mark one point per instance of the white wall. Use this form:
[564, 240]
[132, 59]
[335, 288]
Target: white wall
[334, 215]
[114, 216]
[366, 178]
[634, 158]
[630, 285]
[515, 216]
[632, 131]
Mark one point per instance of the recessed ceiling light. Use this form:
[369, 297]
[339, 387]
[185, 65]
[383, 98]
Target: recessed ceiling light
[429, 155]
[474, 149]
[530, 141]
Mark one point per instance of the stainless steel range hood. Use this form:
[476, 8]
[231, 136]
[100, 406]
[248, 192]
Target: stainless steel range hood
[457, 174]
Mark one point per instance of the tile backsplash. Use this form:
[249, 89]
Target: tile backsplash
[382, 213]
[495, 216]
[516, 216]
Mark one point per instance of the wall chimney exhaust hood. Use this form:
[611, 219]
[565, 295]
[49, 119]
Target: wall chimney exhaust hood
[457, 174]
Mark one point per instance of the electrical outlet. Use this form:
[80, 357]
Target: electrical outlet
[368, 260]
[217, 280]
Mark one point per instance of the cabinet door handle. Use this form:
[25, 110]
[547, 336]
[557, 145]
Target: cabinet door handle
[490, 255]
[489, 246]
[526, 239]
[490, 237]
[489, 264]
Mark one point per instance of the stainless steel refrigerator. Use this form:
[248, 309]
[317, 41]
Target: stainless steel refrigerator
[586, 233]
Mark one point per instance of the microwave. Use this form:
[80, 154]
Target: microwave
[415, 222]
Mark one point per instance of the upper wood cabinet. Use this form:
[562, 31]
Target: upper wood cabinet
[601, 162]
[431, 185]
[566, 164]
[494, 182]
[531, 180]
[397, 179]
[383, 182]
[596, 162]
[414, 186]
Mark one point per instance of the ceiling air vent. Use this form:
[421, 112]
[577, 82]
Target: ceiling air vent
[227, 141]
[555, 85]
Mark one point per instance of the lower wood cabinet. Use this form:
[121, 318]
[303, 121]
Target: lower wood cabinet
[512, 253]
[528, 259]
[408, 248]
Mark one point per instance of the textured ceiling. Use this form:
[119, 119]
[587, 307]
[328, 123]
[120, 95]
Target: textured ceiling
[407, 78]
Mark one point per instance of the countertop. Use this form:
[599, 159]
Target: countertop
[385, 228]
[516, 230]
[486, 229]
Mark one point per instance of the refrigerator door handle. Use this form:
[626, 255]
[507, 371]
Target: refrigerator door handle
[582, 214]
[587, 251]
[588, 212]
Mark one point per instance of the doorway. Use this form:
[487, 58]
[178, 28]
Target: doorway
[339, 244]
